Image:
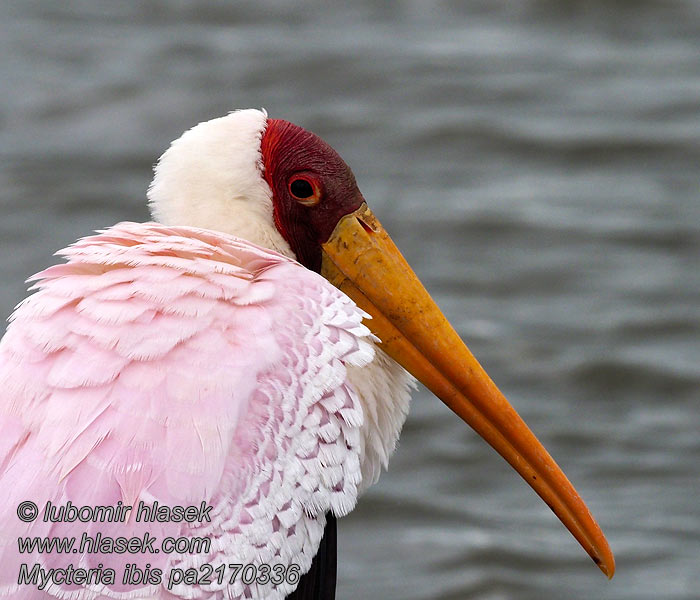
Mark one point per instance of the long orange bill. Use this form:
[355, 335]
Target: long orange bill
[361, 260]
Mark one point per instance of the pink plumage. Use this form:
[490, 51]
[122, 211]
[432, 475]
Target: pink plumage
[179, 365]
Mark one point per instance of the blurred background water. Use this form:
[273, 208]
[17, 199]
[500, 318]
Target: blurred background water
[537, 161]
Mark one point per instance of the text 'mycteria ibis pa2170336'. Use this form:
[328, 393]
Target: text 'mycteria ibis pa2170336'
[250, 355]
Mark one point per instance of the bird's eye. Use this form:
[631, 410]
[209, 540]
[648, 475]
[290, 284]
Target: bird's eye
[301, 189]
[304, 191]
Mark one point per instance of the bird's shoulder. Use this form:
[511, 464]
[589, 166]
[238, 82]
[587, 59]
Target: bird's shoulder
[187, 366]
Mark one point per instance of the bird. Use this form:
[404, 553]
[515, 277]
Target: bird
[228, 378]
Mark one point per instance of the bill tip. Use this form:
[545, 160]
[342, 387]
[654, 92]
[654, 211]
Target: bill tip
[607, 567]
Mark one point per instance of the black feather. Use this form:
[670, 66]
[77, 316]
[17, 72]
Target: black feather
[319, 582]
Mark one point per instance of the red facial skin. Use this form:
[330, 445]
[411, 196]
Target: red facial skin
[290, 152]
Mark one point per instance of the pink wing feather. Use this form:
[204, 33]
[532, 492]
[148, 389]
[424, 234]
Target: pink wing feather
[179, 365]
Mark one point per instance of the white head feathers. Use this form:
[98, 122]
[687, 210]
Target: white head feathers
[211, 177]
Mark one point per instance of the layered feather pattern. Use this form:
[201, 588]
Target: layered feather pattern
[182, 366]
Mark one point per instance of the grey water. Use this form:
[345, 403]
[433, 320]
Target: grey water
[536, 161]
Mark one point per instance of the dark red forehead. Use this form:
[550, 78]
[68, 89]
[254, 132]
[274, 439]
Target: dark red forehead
[288, 150]
[286, 147]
